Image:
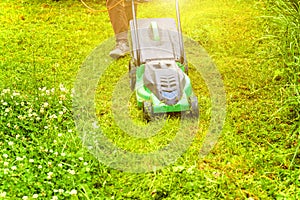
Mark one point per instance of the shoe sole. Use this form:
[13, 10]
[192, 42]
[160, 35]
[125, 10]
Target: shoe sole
[117, 56]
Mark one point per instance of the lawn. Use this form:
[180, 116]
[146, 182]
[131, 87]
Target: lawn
[45, 47]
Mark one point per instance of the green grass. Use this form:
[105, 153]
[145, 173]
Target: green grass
[42, 47]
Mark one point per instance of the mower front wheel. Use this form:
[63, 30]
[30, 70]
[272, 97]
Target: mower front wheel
[149, 113]
[148, 110]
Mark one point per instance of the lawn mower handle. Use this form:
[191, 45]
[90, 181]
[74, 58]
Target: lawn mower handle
[179, 29]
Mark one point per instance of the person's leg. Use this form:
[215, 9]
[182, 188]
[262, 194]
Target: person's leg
[120, 14]
[118, 19]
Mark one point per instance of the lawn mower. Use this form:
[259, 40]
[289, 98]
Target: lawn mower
[158, 68]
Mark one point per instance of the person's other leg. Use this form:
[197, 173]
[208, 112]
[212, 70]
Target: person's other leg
[119, 23]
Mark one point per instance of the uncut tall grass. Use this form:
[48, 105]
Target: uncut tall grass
[287, 23]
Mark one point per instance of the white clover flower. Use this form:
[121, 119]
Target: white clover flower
[35, 196]
[5, 103]
[19, 158]
[87, 169]
[51, 151]
[17, 136]
[16, 127]
[49, 163]
[13, 167]
[22, 103]
[60, 112]
[7, 110]
[5, 171]
[25, 197]
[95, 125]
[54, 141]
[6, 90]
[10, 143]
[70, 130]
[73, 192]
[40, 166]
[16, 94]
[20, 117]
[46, 104]
[190, 170]
[5, 155]
[85, 163]
[60, 191]
[60, 165]
[60, 102]
[2, 194]
[59, 135]
[42, 110]
[80, 158]
[62, 87]
[6, 163]
[54, 198]
[8, 125]
[71, 171]
[55, 153]
[31, 160]
[63, 154]
[49, 175]
[46, 127]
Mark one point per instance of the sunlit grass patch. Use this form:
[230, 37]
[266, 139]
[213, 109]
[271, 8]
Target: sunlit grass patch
[42, 47]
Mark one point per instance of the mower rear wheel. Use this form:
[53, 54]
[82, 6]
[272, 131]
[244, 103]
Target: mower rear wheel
[194, 112]
[132, 75]
[186, 69]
